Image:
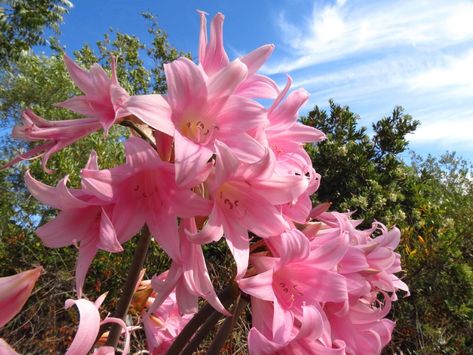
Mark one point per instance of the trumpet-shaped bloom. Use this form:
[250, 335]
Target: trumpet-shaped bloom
[15, 291]
[95, 230]
[103, 97]
[366, 262]
[57, 134]
[102, 104]
[293, 280]
[244, 199]
[198, 111]
[143, 190]
[364, 328]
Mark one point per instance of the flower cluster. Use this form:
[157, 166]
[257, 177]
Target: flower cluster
[220, 164]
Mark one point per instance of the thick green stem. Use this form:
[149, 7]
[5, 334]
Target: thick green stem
[129, 285]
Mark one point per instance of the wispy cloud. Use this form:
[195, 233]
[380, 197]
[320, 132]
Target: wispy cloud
[377, 54]
[347, 29]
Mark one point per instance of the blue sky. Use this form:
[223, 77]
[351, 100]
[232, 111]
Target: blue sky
[370, 55]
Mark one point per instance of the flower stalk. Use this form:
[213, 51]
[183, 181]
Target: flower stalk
[130, 285]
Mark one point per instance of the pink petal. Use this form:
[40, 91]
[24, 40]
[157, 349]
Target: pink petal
[165, 287]
[106, 349]
[281, 95]
[128, 219]
[186, 204]
[57, 197]
[262, 218]
[259, 286]
[186, 85]
[245, 147]
[100, 182]
[6, 349]
[227, 163]
[187, 300]
[52, 233]
[225, 82]
[202, 35]
[108, 238]
[328, 250]
[87, 253]
[88, 326]
[230, 116]
[294, 246]
[81, 77]
[297, 133]
[258, 344]
[255, 59]
[197, 276]
[212, 230]
[237, 240]
[312, 325]
[258, 86]
[280, 189]
[164, 230]
[153, 110]
[92, 163]
[299, 211]
[78, 104]
[287, 113]
[283, 322]
[354, 260]
[190, 158]
[215, 56]
[140, 153]
[15, 291]
[260, 170]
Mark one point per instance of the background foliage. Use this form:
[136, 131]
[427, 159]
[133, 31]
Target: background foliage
[429, 199]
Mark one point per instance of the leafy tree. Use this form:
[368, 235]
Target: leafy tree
[360, 172]
[23, 24]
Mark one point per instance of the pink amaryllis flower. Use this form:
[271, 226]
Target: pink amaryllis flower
[101, 104]
[57, 134]
[15, 291]
[89, 326]
[244, 198]
[368, 262]
[363, 328]
[213, 58]
[103, 97]
[199, 111]
[143, 190]
[95, 230]
[293, 280]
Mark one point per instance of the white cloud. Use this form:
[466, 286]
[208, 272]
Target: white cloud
[346, 29]
[450, 131]
[374, 55]
[454, 74]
